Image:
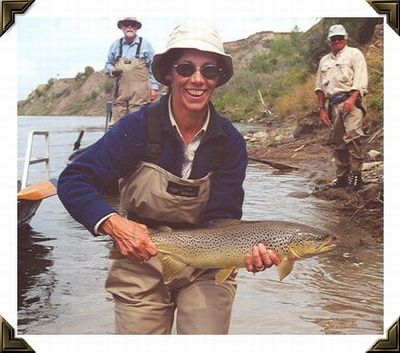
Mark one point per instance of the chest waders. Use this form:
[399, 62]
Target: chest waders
[144, 304]
[346, 135]
[132, 88]
[154, 196]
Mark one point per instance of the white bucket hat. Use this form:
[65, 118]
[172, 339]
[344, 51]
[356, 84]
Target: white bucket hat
[337, 30]
[192, 36]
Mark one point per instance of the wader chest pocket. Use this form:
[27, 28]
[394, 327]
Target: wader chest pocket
[183, 190]
[127, 61]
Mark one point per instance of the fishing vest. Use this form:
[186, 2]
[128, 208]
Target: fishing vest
[153, 195]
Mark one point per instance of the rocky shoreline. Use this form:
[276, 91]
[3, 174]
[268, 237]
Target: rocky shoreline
[302, 145]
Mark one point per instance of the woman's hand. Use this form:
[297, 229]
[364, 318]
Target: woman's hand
[131, 239]
[260, 258]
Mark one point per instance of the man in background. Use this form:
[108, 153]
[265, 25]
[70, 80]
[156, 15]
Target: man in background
[129, 61]
[342, 80]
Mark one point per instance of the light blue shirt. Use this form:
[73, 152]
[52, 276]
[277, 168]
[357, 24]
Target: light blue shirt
[129, 51]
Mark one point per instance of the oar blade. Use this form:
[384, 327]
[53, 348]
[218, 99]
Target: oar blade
[38, 191]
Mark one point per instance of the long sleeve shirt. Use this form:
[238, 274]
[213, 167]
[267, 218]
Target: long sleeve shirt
[129, 51]
[344, 72]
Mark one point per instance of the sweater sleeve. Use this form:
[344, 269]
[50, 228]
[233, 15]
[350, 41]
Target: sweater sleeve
[82, 183]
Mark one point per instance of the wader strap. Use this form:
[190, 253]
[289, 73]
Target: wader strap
[119, 50]
[154, 134]
[218, 154]
[116, 60]
[138, 48]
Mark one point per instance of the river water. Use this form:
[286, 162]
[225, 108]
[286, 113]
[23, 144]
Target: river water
[62, 268]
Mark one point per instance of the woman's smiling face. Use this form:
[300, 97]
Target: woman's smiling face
[192, 93]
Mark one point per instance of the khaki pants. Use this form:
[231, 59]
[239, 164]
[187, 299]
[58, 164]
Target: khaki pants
[145, 305]
[346, 136]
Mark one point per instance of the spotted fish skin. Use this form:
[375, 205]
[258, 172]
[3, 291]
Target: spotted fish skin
[225, 244]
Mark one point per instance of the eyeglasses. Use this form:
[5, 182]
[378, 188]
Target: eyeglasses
[336, 38]
[129, 24]
[188, 69]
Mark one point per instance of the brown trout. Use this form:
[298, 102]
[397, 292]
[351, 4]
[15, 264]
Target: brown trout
[225, 243]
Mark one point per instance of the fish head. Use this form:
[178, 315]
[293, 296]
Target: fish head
[310, 242]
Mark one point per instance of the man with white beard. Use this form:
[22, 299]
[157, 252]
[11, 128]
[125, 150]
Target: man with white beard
[129, 61]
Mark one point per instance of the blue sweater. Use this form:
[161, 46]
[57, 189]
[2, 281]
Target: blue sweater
[119, 151]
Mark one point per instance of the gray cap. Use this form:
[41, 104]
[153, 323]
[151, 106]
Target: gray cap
[337, 30]
[193, 36]
[129, 19]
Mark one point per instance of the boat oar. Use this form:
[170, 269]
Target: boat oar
[38, 191]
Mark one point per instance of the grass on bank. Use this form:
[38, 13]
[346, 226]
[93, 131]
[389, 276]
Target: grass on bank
[285, 76]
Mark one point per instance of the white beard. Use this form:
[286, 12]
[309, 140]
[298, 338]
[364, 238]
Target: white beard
[129, 34]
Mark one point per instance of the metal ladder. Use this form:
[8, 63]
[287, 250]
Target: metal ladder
[28, 156]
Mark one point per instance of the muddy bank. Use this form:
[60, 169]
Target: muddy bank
[303, 145]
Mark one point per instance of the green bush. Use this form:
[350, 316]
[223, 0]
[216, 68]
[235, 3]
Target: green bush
[79, 76]
[94, 95]
[88, 71]
[50, 83]
[82, 76]
[108, 86]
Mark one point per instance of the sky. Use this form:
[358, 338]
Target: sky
[63, 36]
[61, 47]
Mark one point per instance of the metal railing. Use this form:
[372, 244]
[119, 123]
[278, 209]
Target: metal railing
[29, 160]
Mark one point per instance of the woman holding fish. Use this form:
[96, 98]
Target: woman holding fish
[178, 163]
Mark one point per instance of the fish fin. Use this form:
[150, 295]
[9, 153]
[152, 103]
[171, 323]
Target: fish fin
[223, 223]
[171, 267]
[294, 253]
[285, 266]
[222, 274]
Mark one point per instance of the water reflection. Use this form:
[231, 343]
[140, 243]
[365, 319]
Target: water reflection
[36, 277]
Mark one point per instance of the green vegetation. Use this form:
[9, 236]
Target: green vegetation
[375, 91]
[285, 75]
[79, 76]
[108, 86]
[50, 83]
[274, 74]
[88, 71]
[93, 95]
[82, 76]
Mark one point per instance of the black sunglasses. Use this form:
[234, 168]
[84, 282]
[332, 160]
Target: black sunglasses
[129, 24]
[188, 69]
[336, 38]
